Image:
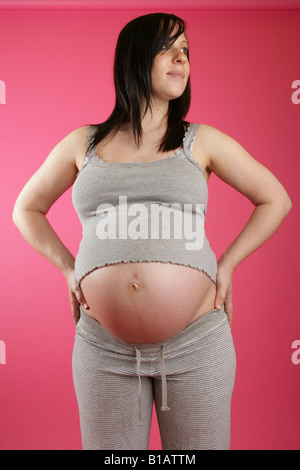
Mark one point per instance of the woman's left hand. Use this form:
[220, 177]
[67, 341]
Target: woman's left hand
[224, 289]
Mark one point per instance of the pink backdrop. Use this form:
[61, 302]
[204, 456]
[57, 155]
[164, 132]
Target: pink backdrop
[56, 73]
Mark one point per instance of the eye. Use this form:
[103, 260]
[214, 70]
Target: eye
[165, 47]
[185, 50]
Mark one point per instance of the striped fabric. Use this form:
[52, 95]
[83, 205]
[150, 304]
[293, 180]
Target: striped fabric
[189, 377]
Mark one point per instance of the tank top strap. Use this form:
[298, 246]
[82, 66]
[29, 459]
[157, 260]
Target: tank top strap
[188, 142]
[189, 137]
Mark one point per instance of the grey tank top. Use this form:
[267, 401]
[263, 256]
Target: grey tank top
[143, 211]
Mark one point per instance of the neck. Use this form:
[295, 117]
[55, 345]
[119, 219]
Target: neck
[154, 122]
[156, 118]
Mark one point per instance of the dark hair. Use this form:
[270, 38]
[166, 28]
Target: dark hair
[138, 44]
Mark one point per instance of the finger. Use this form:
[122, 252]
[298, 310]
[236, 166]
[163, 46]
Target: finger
[220, 298]
[220, 301]
[81, 299]
[229, 313]
[75, 314]
[75, 309]
[228, 306]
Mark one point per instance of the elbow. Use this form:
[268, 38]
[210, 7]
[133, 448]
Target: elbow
[283, 202]
[286, 206]
[290, 205]
[17, 215]
[281, 205]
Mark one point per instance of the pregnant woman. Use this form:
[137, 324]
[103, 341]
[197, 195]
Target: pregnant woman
[151, 304]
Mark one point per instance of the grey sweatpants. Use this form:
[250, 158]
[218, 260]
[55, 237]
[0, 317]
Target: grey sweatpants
[190, 377]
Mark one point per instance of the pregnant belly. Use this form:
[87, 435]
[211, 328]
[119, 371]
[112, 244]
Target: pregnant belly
[147, 302]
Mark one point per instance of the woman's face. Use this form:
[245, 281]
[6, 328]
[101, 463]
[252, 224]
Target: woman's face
[170, 71]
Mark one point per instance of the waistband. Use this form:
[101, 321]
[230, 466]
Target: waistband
[91, 328]
[210, 320]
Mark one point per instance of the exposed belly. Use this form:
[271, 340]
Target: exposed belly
[147, 302]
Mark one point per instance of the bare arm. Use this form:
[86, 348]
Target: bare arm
[50, 181]
[235, 166]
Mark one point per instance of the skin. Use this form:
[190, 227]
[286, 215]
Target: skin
[216, 153]
[165, 85]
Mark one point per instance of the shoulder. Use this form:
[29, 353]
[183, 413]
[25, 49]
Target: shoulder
[206, 135]
[79, 136]
[208, 140]
[202, 135]
[77, 142]
[234, 165]
[70, 150]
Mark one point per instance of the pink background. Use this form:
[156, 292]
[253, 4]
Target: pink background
[57, 68]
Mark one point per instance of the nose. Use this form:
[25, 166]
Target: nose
[180, 57]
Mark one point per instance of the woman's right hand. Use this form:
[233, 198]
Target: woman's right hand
[76, 295]
[54, 177]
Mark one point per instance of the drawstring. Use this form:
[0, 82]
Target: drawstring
[138, 360]
[164, 406]
[163, 381]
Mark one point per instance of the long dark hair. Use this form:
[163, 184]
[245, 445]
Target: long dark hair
[138, 44]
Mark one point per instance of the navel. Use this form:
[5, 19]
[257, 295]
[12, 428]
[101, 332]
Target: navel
[134, 286]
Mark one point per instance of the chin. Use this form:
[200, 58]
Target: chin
[171, 95]
[176, 93]
[174, 96]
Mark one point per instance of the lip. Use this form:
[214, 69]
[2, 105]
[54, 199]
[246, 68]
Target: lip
[178, 75]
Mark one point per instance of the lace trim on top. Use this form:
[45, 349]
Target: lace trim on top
[187, 145]
[141, 260]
